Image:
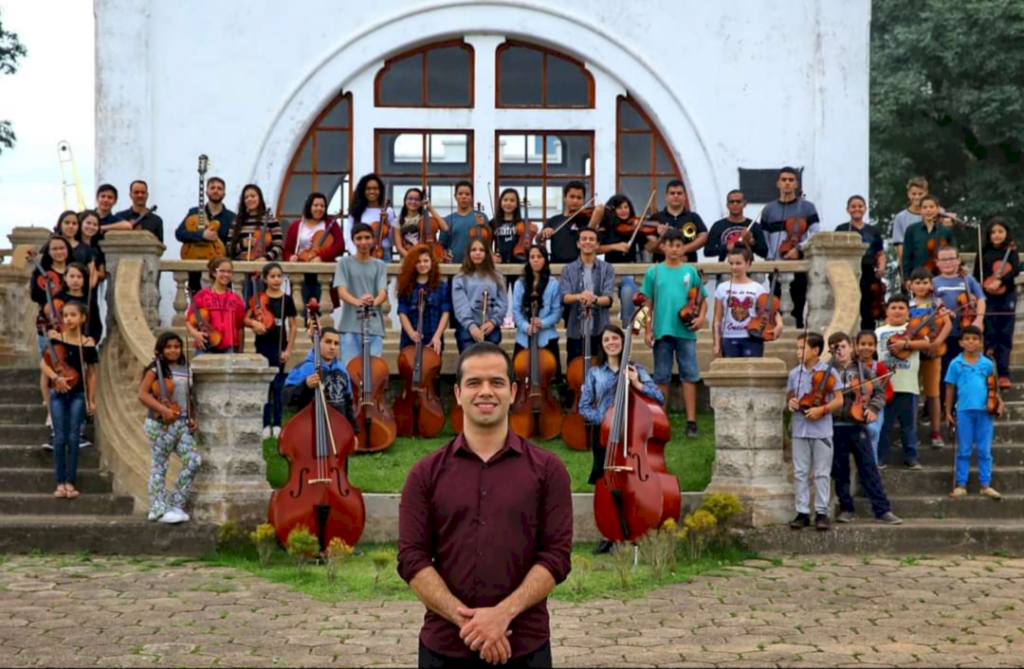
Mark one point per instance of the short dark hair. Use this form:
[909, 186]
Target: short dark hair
[360, 227]
[921, 273]
[675, 183]
[137, 181]
[867, 333]
[672, 235]
[856, 197]
[950, 247]
[217, 179]
[588, 229]
[484, 348]
[105, 188]
[931, 198]
[898, 297]
[789, 170]
[464, 182]
[733, 192]
[307, 209]
[574, 185]
[971, 330]
[813, 340]
[837, 338]
[330, 329]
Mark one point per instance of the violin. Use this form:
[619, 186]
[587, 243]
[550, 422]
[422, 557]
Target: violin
[694, 302]
[259, 305]
[321, 240]
[876, 306]
[917, 329]
[259, 242]
[525, 232]
[418, 412]
[56, 356]
[50, 282]
[823, 382]
[575, 430]
[370, 376]
[199, 318]
[967, 304]
[795, 229]
[429, 227]
[536, 413]
[481, 230]
[648, 227]
[457, 416]
[994, 284]
[863, 389]
[381, 230]
[162, 389]
[933, 245]
[994, 401]
[316, 442]
[632, 497]
[762, 325]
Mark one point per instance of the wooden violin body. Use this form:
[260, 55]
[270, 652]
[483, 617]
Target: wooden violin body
[381, 230]
[199, 318]
[162, 389]
[56, 356]
[762, 325]
[795, 229]
[535, 413]
[321, 240]
[370, 376]
[481, 230]
[1001, 268]
[418, 412]
[694, 302]
[199, 223]
[259, 307]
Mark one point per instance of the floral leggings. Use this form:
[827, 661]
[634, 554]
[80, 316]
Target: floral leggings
[168, 439]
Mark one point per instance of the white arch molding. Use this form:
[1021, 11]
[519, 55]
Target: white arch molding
[373, 43]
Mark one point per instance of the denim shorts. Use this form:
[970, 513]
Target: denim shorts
[685, 352]
[352, 346]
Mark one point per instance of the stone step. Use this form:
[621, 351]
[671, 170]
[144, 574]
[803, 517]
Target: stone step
[89, 481]
[19, 375]
[22, 414]
[937, 481]
[20, 392]
[915, 537]
[124, 535]
[32, 456]
[973, 507]
[45, 504]
[1003, 455]
[1008, 432]
[34, 434]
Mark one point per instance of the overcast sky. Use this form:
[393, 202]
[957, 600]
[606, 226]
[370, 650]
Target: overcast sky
[49, 99]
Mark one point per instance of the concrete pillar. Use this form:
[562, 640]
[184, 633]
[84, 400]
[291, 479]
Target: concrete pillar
[825, 248]
[230, 393]
[18, 325]
[748, 397]
[118, 244]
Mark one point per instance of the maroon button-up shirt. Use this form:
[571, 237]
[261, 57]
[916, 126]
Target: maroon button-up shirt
[483, 526]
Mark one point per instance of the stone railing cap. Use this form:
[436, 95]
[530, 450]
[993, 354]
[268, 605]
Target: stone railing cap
[132, 239]
[29, 235]
[750, 372]
[246, 363]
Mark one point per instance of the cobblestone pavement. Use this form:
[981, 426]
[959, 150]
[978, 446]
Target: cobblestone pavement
[838, 611]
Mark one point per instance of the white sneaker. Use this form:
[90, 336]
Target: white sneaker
[266, 432]
[184, 516]
[172, 517]
[275, 432]
[84, 443]
[48, 446]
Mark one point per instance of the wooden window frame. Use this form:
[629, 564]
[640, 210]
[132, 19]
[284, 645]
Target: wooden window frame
[545, 53]
[543, 177]
[657, 139]
[312, 136]
[422, 175]
[424, 92]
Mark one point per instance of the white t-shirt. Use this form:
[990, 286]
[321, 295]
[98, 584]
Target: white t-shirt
[741, 306]
[306, 235]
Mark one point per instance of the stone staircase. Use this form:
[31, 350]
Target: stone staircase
[99, 521]
[934, 523]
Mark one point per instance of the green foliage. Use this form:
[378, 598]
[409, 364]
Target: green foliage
[657, 548]
[581, 567]
[302, 547]
[946, 104]
[11, 50]
[337, 552]
[230, 537]
[382, 561]
[264, 538]
[624, 562]
[726, 508]
[699, 528]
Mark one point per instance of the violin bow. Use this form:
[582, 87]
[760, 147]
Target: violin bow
[643, 217]
[566, 222]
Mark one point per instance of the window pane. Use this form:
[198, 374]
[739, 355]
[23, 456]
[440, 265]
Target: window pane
[335, 187]
[305, 161]
[570, 155]
[448, 154]
[399, 152]
[299, 188]
[635, 153]
[521, 154]
[338, 116]
[629, 117]
[332, 148]
[637, 189]
[567, 85]
[448, 76]
[402, 84]
[664, 162]
[521, 77]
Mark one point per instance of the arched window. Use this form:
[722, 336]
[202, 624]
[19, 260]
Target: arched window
[643, 159]
[322, 163]
[535, 77]
[538, 164]
[437, 75]
[436, 159]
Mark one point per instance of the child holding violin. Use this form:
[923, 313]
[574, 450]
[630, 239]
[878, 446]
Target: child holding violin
[849, 435]
[361, 281]
[69, 366]
[275, 336]
[736, 305]
[598, 393]
[617, 218]
[867, 354]
[421, 274]
[923, 304]
[923, 240]
[316, 237]
[417, 213]
[537, 281]
[170, 425]
[464, 224]
[971, 385]
[902, 356]
[76, 288]
[997, 271]
[812, 399]
[507, 226]
[477, 276]
[54, 257]
[961, 294]
[220, 309]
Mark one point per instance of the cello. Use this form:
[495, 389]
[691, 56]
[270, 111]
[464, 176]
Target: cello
[418, 412]
[535, 411]
[316, 443]
[575, 431]
[457, 409]
[631, 498]
[370, 376]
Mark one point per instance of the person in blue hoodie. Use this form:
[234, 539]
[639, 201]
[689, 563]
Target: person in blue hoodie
[303, 379]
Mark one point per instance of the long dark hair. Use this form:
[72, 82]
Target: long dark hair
[158, 353]
[613, 203]
[57, 230]
[359, 202]
[486, 267]
[46, 260]
[83, 270]
[600, 357]
[405, 207]
[517, 213]
[1001, 222]
[243, 217]
[532, 281]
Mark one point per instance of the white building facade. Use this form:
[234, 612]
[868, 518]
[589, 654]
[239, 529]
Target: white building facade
[311, 94]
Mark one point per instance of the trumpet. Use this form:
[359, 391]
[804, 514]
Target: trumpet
[689, 231]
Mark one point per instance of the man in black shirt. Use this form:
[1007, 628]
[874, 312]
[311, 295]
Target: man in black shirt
[139, 192]
[215, 211]
[677, 214]
[563, 242]
[106, 198]
[731, 229]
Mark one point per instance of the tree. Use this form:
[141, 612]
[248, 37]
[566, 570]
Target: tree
[947, 103]
[11, 49]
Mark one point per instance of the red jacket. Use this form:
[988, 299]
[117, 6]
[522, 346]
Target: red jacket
[327, 254]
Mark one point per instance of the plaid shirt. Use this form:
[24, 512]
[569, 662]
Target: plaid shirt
[571, 282]
[437, 303]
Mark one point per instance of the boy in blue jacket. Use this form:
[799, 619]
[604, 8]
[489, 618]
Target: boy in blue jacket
[303, 379]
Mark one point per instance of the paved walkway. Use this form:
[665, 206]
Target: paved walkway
[833, 612]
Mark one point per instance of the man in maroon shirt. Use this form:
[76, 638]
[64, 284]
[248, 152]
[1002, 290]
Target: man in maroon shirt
[485, 530]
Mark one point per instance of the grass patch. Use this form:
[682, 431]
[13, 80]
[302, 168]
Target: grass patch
[355, 579]
[218, 588]
[385, 472]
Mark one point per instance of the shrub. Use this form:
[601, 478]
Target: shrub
[581, 566]
[623, 557]
[725, 508]
[381, 560]
[302, 547]
[230, 537]
[337, 552]
[699, 528]
[264, 538]
[655, 547]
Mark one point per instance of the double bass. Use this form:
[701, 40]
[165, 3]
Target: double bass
[370, 376]
[316, 442]
[457, 416]
[575, 431]
[535, 413]
[633, 496]
[418, 412]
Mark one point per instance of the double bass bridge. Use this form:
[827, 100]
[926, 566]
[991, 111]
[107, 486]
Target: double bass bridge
[319, 481]
[618, 468]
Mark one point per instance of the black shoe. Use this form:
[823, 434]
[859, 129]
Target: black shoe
[822, 523]
[913, 466]
[801, 521]
[691, 430]
[604, 547]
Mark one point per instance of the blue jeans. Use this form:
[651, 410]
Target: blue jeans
[272, 409]
[742, 347]
[465, 340]
[68, 413]
[903, 408]
[974, 428]
[851, 440]
[685, 353]
[352, 346]
[627, 291]
[874, 431]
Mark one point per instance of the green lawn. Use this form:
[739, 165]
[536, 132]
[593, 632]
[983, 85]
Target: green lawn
[385, 472]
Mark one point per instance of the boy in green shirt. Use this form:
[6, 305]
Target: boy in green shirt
[666, 288]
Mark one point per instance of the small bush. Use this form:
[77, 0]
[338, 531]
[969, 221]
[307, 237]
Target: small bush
[302, 547]
[581, 567]
[337, 552]
[656, 547]
[381, 560]
[230, 537]
[726, 508]
[699, 529]
[264, 538]
[623, 560]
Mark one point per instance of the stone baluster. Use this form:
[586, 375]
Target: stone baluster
[825, 248]
[118, 244]
[1018, 286]
[180, 298]
[748, 397]
[17, 327]
[786, 299]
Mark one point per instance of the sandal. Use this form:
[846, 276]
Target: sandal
[71, 492]
[61, 491]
